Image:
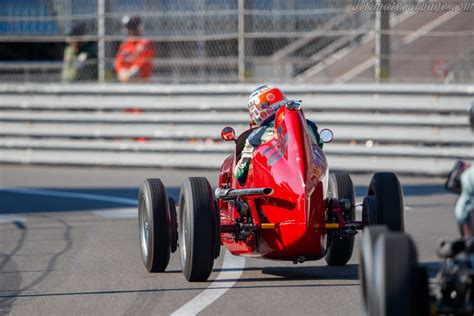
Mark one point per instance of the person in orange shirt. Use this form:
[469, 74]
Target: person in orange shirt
[134, 59]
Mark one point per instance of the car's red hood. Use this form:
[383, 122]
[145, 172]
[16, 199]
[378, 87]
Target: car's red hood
[297, 171]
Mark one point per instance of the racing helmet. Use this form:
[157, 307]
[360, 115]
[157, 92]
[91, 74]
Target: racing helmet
[78, 29]
[263, 103]
[133, 23]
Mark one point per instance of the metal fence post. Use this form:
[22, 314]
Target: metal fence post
[241, 40]
[101, 39]
[382, 41]
[378, 16]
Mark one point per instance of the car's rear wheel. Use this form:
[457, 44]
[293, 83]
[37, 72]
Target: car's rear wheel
[173, 225]
[217, 249]
[395, 263]
[339, 248]
[197, 229]
[384, 204]
[366, 263]
[154, 225]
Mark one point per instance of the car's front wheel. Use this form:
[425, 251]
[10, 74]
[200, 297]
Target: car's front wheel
[384, 203]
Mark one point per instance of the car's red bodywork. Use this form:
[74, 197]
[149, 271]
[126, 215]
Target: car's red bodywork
[297, 171]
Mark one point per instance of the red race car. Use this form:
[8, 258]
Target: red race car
[290, 208]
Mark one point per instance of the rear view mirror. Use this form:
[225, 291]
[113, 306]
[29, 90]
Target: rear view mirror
[326, 135]
[228, 134]
[293, 104]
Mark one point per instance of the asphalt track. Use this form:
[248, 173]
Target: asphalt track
[69, 246]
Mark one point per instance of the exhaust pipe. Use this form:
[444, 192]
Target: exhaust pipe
[231, 194]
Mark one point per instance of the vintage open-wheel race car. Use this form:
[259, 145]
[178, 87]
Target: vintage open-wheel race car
[290, 208]
[394, 283]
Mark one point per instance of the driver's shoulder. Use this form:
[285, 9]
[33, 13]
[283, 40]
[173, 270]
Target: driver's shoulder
[255, 138]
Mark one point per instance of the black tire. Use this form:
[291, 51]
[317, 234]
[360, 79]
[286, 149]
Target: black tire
[154, 225]
[366, 263]
[388, 194]
[217, 249]
[197, 229]
[394, 276]
[369, 210]
[339, 249]
[422, 292]
[173, 226]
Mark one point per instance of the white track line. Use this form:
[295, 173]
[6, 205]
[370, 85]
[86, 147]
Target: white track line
[359, 208]
[74, 195]
[235, 266]
[7, 218]
[117, 213]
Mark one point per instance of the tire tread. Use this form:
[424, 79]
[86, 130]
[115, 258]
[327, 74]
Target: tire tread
[339, 251]
[159, 251]
[200, 254]
[389, 199]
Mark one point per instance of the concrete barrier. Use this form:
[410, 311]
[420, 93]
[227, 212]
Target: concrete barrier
[413, 129]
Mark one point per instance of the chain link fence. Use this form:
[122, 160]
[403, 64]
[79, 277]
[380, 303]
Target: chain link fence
[229, 41]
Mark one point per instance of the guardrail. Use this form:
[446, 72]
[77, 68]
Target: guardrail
[463, 90]
[411, 129]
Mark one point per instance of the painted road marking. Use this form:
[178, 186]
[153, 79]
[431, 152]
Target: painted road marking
[7, 218]
[74, 195]
[232, 269]
[359, 207]
[117, 213]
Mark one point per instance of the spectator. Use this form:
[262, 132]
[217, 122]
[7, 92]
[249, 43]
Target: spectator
[134, 59]
[80, 57]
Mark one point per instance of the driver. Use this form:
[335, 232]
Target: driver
[263, 103]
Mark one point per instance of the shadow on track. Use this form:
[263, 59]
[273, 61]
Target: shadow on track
[7, 301]
[113, 292]
[348, 272]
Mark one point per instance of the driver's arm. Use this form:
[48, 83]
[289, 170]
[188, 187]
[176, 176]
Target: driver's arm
[242, 166]
[253, 141]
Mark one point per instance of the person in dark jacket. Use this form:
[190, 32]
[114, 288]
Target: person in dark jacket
[80, 57]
